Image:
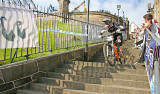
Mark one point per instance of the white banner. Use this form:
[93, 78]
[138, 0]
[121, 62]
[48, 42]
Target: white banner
[17, 27]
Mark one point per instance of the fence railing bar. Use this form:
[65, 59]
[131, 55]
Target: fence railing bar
[48, 26]
[60, 45]
[43, 26]
[10, 53]
[39, 30]
[58, 34]
[54, 18]
[70, 30]
[62, 28]
[64, 21]
[65, 39]
[46, 31]
[51, 26]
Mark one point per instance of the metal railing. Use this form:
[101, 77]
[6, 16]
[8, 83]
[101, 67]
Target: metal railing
[56, 31]
[153, 59]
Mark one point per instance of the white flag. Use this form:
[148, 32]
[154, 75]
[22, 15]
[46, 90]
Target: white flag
[17, 27]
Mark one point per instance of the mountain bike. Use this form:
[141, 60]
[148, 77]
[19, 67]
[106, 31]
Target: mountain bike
[113, 50]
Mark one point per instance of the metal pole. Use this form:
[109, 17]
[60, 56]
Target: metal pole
[123, 19]
[118, 16]
[86, 48]
[156, 77]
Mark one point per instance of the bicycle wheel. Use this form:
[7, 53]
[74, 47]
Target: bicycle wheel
[123, 57]
[108, 54]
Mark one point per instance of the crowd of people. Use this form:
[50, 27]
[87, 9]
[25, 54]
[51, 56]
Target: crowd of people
[149, 24]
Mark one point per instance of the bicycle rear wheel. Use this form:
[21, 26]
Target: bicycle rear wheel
[108, 54]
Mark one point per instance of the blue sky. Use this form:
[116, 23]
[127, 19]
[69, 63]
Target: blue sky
[134, 9]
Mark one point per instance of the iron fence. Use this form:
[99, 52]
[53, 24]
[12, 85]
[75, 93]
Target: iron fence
[56, 31]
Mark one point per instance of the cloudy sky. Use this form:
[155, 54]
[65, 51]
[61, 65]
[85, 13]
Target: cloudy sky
[134, 9]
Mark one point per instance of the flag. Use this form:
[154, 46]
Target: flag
[17, 27]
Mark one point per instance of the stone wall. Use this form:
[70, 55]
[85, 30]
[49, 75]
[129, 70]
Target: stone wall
[157, 10]
[95, 17]
[19, 74]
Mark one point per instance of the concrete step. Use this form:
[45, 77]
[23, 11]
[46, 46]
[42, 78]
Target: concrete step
[93, 87]
[70, 69]
[114, 89]
[51, 89]
[116, 76]
[119, 75]
[102, 64]
[25, 91]
[103, 81]
[46, 88]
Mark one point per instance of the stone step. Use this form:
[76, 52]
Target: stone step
[73, 85]
[103, 81]
[102, 64]
[70, 69]
[92, 87]
[57, 90]
[116, 76]
[119, 75]
[114, 89]
[25, 91]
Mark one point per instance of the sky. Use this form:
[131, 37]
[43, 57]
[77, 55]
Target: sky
[133, 9]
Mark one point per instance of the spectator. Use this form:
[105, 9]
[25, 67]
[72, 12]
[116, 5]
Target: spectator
[140, 36]
[152, 25]
[148, 24]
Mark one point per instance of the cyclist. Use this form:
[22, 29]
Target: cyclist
[113, 27]
[114, 38]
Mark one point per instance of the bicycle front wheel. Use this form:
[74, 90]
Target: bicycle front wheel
[122, 56]
[109, 54]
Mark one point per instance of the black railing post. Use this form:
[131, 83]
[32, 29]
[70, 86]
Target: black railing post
[14, 55]
[86, 48]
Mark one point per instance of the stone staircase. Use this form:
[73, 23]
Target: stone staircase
[79, 77]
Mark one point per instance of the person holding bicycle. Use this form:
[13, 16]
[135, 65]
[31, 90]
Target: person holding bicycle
[113, 47]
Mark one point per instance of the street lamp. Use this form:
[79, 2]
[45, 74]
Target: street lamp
[86, 48]
[149, 7]
[123, 18]
[118, 8]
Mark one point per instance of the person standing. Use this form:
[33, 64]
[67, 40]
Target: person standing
[150, 24]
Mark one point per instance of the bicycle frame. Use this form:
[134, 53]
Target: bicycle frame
[115, 50]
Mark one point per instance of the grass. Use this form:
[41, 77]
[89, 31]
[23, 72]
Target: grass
[49, 41]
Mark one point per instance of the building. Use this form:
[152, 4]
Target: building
[157, 10]
[64, 6]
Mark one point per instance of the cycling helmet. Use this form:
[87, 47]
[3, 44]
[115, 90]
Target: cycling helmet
[107, 20]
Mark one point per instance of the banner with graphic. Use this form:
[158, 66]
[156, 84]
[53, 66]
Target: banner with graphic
[17, 27]
[149, 54]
